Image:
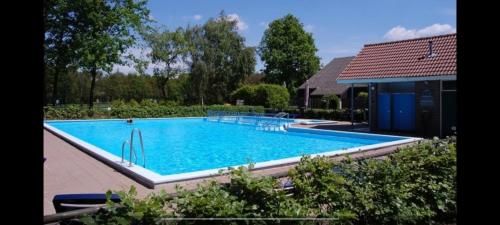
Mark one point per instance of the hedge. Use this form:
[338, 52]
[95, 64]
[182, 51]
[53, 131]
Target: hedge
[415, 185]
[335, 114]
[147, 110]
[267, 95]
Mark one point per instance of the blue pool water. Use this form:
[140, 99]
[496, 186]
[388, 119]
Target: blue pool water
[175, 146]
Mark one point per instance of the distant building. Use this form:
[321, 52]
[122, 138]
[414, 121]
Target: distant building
[324, 83]
[412, 84]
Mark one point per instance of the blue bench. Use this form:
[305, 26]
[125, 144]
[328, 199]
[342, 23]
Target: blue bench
[69, 202]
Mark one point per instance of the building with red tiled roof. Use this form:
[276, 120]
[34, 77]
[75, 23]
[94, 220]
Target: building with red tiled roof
[324, 83]
[412, 84]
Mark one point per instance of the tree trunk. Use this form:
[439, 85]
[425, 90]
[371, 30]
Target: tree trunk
[54, 87]
[162, 83]
[93, 72]
[163, 91]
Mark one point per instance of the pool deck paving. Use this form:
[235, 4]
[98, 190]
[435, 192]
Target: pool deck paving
[69, 170]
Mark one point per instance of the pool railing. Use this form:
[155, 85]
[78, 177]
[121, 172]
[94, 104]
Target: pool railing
[261, 120]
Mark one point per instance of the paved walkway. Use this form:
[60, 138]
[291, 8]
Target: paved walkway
[69, 170]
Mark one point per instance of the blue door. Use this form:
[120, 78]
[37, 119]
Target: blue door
[403, 111]
[384, 111]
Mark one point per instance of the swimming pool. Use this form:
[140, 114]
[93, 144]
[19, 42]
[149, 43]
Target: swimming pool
[185, 148]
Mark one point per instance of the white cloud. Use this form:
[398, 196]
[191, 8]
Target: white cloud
[197, 17]
[240, 24]
[400, 32]
[264, 24]
[309, 28]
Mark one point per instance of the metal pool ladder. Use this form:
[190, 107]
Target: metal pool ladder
[132, 150]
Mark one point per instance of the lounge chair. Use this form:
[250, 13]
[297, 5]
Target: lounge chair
[69, 202]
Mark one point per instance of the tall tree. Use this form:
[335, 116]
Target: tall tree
[289, 53]
[106, 28]
[59, 21]
[168, 51]
[220, 61]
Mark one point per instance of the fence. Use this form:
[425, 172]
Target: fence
[264, 121]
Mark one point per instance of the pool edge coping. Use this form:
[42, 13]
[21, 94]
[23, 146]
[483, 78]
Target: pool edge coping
[150, 178]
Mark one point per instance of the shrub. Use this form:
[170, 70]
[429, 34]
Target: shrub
[117, 103]
[246, 93]
[168, 103]
[267, 95]
[132, 210]
[331, 101]
[362, 100]
[148, 103]
[272, 96]
[415, 185]
[133, 103]
[66, 112]
[121, 110]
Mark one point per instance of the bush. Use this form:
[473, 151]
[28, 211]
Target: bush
[415, 185]
[331, 101]
[335, 114]
[362, 100]
[272, 96]
[148, 103]
[132, 210]
[246, 93]
[133, 103]
[168, 103]
[121, 110]
[267, 95]
[118, 103]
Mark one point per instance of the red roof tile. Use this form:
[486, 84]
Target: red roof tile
[405, 58]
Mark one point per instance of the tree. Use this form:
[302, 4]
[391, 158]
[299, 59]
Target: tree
[219, 59]
[168, 49]
[105, 29]
[289, 53]
[59, 42]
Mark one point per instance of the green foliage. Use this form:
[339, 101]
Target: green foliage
[289, 53]
[120, 109]
[220, 61]
[168, 48]
[105, 30]
[267, 95]
[327, 114]
[331, 101]
[317, 187]
[208, 201]
[132, 210]
[133, 103]
[273, 96]
[59, 42]
[118, 103]
[415, 185]
[148, 103]
[246, 93]
[362, 100]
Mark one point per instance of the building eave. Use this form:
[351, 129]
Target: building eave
[397, 79]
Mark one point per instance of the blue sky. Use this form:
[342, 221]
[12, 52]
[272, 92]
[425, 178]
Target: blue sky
[339, 27]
